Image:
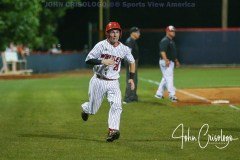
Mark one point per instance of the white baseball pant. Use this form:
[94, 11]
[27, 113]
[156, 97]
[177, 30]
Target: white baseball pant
[98, 88]
[167, 79]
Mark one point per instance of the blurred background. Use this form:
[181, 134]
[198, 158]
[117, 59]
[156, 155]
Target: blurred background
[49, 36]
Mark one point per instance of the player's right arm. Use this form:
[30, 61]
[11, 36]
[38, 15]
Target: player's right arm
[106, 62]
[93, 58]
[163, 49]
[164, 57]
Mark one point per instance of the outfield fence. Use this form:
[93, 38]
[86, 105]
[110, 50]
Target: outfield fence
[196, 46]
[45, 63]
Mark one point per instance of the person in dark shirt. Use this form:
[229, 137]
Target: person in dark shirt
[131, 95]
[168, 59]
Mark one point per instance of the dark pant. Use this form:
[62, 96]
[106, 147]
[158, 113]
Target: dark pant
[131, 95]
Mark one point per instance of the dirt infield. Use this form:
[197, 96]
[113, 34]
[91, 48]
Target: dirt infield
[16, 77]
[81, 72]
[207, 95]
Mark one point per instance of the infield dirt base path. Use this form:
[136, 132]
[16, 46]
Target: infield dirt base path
[230, 94]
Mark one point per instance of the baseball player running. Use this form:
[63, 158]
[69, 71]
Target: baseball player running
[168, 55]
[106, 57]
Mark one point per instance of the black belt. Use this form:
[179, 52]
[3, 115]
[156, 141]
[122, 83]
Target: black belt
[104, 78]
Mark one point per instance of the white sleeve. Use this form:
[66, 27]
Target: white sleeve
[129, 56]
[95, 52]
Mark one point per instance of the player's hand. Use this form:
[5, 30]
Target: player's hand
[177, 64]
[108, 62]
[131, 84]
[167, 62]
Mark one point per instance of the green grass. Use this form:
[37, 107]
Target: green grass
[40, 119]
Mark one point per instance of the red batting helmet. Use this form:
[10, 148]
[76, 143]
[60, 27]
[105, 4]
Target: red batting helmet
[170, 29]
[113, 25]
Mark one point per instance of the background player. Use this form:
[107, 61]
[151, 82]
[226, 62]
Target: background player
[106, 57]
[168, 55]
[131, 95]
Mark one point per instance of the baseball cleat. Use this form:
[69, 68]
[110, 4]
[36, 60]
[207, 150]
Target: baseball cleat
[113, 135]
[173, 99]
[126, 102]
[84, 116]
[159, 96]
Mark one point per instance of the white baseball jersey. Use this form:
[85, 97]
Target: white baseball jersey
[104, 50]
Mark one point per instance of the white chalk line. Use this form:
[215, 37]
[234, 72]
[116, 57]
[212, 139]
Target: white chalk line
[234, 107]
[181, 91]
[188, 94]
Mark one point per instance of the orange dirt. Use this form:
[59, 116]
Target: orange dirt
[15, 77]
[81, 72]
[231, 94]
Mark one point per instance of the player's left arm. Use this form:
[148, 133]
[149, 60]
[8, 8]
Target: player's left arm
[132, 74]
[177, 63]
[131, 61]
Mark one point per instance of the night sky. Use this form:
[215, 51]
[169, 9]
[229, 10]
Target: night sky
[73, 34]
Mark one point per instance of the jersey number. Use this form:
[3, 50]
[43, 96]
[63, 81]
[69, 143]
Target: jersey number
[115, 68]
